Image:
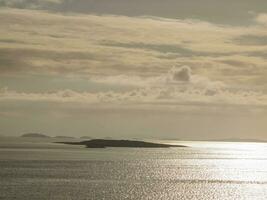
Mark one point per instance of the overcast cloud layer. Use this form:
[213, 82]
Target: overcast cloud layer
[99, 56]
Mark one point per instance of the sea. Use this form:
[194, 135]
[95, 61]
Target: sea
[32, 168]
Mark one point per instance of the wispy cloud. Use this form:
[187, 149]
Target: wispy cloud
[261, 19]
[80, 46]
[213, 65]
[36, 4]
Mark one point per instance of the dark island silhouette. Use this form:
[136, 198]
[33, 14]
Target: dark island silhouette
[103, 143]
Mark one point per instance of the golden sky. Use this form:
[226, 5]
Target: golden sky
[121, 68]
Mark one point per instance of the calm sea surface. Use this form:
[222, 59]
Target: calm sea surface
[33, 169]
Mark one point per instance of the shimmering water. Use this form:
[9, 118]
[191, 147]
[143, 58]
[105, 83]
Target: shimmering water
[207, 170]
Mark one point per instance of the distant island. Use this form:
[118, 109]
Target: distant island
[102, 143]
[241, 140]
[64, 137]
[86, 137]
[35, 135]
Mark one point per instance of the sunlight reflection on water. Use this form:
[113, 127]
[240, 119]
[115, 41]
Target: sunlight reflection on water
[206, 170]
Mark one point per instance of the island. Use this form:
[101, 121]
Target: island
[64, 137]
[102, 143]
[241, 140]
[86, 137]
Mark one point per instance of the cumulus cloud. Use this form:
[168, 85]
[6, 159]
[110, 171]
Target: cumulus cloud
[181, 74]
[176, 76]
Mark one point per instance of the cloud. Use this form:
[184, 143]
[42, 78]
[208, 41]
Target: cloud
[81, 48]
[207, 61]
[181, 77]
[177, 87]
[149, 96]
[167, 62]
[255, 40]
[176, 76]
[175, 49]
[36, 4]
[181, 74]
[261, 19]
[175, 9]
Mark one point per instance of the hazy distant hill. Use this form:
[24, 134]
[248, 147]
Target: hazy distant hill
[86, 137]
[36, 135]
[64, 137]
[241, 140]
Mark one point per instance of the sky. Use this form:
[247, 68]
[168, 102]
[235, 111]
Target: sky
[184, 69]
